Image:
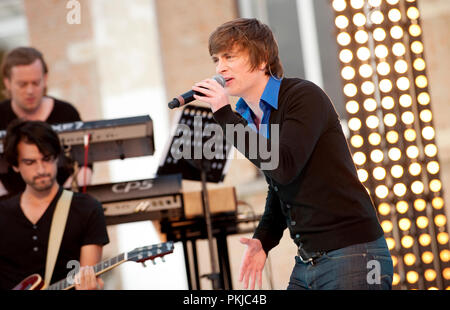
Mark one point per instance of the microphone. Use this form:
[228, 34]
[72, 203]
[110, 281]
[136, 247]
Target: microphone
[189, 96]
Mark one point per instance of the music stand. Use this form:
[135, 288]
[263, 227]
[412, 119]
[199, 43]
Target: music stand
[198, 150]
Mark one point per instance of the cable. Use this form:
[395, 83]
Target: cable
[87, 139]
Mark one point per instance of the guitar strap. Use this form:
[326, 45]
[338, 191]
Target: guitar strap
[56, 233]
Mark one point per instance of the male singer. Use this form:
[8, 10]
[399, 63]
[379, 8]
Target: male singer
[314, 191]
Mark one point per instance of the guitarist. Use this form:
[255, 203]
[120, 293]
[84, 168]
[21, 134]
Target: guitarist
[32, 148]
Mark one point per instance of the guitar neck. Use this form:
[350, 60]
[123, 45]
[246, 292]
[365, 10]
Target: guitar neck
[139, 255]
[99, 269]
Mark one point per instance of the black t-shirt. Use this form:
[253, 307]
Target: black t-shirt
[63, 112]
[23, 246]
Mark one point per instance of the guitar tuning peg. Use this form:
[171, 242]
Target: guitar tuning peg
[143, 264]
[163, 259]
[153, 261]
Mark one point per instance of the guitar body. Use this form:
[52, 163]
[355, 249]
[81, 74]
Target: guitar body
[31, 283]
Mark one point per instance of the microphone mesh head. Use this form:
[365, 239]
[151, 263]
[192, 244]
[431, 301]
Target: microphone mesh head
[220, 79]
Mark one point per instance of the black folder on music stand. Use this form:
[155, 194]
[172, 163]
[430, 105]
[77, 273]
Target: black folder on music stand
[198, 150]
[191, 132]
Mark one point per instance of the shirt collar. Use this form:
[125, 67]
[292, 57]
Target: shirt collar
[269, 96]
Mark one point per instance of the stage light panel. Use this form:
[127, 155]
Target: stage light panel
[383, 70]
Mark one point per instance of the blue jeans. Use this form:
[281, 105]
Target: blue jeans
[364, 266]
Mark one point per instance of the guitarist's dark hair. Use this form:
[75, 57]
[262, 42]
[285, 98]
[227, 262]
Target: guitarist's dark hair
[31, 132]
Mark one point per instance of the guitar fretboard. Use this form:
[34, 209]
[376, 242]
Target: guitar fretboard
[98, 269]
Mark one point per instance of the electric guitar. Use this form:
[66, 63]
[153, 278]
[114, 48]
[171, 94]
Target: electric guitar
[139, 255]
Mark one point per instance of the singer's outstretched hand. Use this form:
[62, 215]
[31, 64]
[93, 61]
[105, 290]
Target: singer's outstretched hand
[214, 94]
[252, 263]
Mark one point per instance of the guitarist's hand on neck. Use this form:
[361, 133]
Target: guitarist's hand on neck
[86, 279]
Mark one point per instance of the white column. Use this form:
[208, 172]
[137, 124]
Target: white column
[309, 41]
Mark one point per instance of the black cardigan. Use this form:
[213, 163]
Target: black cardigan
[314, 190]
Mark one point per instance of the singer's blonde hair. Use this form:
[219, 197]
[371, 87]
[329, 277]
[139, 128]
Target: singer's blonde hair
[253, 36]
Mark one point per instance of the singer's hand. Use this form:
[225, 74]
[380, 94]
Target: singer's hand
[252, 263]
[214, 94]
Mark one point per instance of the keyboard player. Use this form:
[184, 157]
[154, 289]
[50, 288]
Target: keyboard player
[24, 74]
